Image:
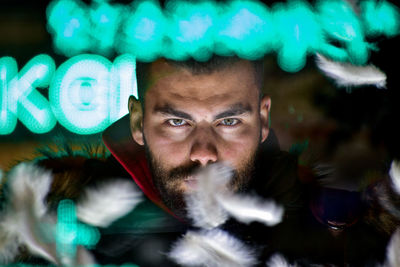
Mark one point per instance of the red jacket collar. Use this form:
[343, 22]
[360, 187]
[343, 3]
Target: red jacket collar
[131, 156]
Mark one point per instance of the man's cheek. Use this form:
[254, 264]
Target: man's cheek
[171, 154]
[171, 134]
[246, 134]
[175, 186]
[239, 149]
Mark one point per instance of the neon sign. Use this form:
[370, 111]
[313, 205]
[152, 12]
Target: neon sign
[86, 93]
[70, 233]
[247, 28]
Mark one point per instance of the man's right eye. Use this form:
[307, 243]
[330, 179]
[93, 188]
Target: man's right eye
[177, 122]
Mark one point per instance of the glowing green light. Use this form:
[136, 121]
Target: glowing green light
[123, 85]
[68, 21]
[104, 31]
[20, 97]
[299, 34]
[70, 233]
[340, 23]
[79, 94]
[86, 94]
[8, 71]
[380, 18]
[142, 33]
[246, 28]
[190, 32]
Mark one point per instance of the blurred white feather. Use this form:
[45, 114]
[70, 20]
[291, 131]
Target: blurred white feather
[202, 205]
[212, 202]
[247, 209]
[348, 75]
[29, 185]
[23, 221]
[104, 204]
[211, 248]
[277, 260]
[393, 251]
[9, 244]
[394, 174]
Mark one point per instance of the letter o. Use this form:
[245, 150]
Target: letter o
[79, 94]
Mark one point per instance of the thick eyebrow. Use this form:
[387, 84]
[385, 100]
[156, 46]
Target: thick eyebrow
[168, 110]
[234, 110]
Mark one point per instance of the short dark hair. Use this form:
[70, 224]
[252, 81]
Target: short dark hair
[215, 63]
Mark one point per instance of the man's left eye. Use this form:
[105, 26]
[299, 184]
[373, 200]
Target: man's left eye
[177, 122]
[229, 122]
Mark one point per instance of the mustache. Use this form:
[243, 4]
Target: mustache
[183, 171]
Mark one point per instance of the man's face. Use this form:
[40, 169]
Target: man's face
[190, 121]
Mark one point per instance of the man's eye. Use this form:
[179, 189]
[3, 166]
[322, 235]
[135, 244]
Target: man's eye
[229, 122]
[177, 122]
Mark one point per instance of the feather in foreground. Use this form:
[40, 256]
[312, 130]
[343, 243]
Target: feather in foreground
[348, 75]
[23, 220]
[203, 207]
[104, 204]
[26, 221]
[211, 248]
[212, 202]
[394, 174]
[277, 260]
[393, 251]
[247, 209]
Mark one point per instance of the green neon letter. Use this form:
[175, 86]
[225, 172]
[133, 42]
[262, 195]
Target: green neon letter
[8, 71]
[79, 94]
[88, 93]
[31, 107]
[123, 85]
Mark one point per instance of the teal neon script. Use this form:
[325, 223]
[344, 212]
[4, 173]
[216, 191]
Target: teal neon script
[86, 93]
[248, 29]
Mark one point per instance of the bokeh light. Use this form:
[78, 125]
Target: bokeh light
[249, 29]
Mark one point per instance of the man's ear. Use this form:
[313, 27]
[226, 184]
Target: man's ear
[265, 106]
[136, 119]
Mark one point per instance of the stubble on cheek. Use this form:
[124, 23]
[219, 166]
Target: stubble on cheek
[170, 183]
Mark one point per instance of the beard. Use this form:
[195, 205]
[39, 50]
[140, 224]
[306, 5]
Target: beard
[169, 182]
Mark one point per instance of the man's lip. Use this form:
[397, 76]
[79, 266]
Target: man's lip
[190, 178]
[191, 182]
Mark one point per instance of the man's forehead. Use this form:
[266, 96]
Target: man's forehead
[164, 71]
[162, 68]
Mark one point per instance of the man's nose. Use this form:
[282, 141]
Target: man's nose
[204, 148]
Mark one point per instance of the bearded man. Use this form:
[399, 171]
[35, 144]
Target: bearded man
[193, 114]
[189, 116]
